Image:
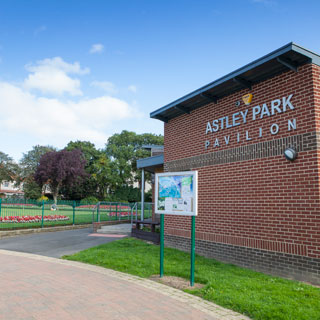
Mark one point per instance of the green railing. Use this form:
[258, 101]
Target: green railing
[136, 212]
[111, 211]
[21, 213]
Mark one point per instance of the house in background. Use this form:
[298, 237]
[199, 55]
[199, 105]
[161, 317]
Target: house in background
[9, 190]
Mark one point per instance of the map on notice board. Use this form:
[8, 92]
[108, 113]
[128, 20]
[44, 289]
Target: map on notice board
[176, 193]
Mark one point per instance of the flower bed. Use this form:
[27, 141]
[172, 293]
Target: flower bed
[122, 214]
[24, 219]
[103, 206]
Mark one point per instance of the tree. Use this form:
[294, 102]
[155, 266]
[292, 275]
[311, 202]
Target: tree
[28, 164]
[59, 169]
[31, 189]
[106, 176]
[125, 149]
[8, 168]
[30, 160]
[88, 149]
[89, 186]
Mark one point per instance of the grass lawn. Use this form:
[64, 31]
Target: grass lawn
[254, 294]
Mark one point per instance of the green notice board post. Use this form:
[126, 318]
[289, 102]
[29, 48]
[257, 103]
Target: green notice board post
[161, 244]
[192, 250]
[176, 193]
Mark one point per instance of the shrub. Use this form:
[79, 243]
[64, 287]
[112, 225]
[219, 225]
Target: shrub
[90, 199]
[43, 198]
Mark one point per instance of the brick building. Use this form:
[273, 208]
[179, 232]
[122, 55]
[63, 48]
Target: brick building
[256, 208]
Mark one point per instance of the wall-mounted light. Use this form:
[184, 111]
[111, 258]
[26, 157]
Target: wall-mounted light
[290, 154]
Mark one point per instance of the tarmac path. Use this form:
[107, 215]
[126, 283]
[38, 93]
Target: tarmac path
[56, 244]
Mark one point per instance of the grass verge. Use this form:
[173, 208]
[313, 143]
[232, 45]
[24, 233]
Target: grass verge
[251, 293]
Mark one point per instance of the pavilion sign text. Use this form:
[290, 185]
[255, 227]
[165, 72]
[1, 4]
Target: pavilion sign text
[242, 117]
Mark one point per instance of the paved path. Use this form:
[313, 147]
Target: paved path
[55, 244]
[38, 287]
[123, 228]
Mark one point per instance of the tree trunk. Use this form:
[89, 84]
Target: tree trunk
[55, 193]
[55, 197]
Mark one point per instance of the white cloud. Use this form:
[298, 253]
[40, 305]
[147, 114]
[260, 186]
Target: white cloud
[39, 30]
[106, 86]
[28, 114]
[53, 121]
[132, 88]
[51, 76]
[96, 48]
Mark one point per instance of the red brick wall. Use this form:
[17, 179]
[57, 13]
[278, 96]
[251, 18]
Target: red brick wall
[185, 135]
[266, 203]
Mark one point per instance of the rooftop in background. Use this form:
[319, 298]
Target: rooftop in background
[155, 161]
[152, 146]
[155, 149]
[288, 57]
[151, 163]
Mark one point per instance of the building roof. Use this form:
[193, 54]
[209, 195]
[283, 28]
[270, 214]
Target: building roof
[152, 146]
[151, 163]
[288, 57]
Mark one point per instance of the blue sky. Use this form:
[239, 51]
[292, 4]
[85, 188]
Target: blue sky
[85, 70]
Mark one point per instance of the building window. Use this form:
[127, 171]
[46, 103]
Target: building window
[6, 184]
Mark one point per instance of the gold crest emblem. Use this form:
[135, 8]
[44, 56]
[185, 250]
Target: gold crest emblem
[247, 98]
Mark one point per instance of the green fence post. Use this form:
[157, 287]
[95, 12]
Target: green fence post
[42, 213]
[116, 217]
[0, 205]
[74, 211]
[193, 228]
[161, 243]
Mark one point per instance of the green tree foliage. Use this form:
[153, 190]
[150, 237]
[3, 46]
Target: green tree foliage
[28, 166]
[125, 193]
[31, 159]
[9, 170]
[89, 151]
[89, 186]
[31, 189]
[106, 176]
[125, 148]
[110, 173]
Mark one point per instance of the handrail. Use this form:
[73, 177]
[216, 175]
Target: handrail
[94, 209]
[135, 207]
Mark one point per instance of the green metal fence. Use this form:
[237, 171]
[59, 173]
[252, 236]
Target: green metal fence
[111, 211]
[22, 213]
[137, 211]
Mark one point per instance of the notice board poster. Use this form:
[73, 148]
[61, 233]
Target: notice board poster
[177, 193]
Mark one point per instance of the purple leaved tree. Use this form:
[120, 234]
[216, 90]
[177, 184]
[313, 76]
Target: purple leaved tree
[60, 168]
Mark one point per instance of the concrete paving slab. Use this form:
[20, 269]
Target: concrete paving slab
[124, 228]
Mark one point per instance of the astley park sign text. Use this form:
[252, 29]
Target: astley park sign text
[256, 113]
